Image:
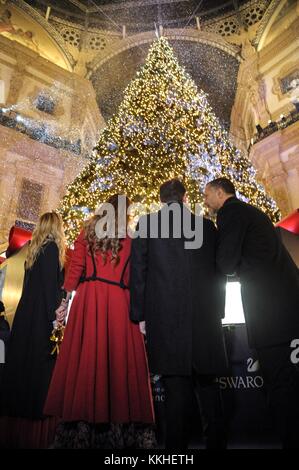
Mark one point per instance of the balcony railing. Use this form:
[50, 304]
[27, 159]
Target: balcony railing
[37, 131]
[284, 122]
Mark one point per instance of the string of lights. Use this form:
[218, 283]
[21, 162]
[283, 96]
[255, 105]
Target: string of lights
[164, 128]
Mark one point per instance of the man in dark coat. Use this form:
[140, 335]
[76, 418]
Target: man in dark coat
[250, 248]
[177, 292]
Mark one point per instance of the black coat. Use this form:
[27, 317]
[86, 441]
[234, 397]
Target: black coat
[29, 364]
[4, 329]
[250, 247]
[179, 294]
[4, 337]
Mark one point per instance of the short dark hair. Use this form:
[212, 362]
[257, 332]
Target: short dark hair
[172, 190]
[2, 308]
[225, 184]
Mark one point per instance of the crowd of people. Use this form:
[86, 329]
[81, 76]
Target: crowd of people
[154, 289]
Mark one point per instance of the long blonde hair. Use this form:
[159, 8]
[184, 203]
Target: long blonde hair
[49, 227]
[105, 244]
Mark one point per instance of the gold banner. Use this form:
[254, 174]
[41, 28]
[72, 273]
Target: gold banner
[11, 279]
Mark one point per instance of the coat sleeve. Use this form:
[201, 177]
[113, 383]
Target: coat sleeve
[50, 268]
[77, 264]
[138, 276]
[232, 228]
[220, 278]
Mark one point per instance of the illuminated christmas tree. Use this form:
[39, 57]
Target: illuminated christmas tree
[164, 128]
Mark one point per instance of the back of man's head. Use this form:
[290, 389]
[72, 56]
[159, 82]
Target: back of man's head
[225, 184]
[172, 190]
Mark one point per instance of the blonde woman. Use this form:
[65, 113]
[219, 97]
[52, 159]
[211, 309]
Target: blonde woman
[29, 363]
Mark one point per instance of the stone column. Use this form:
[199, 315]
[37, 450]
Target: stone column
[281, 192]
[8, 172]
[250, 96]
[18, 77]
[266, 157]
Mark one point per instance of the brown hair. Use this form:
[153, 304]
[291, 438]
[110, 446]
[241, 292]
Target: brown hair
[172, 190]
[104, 245]
[223, 183]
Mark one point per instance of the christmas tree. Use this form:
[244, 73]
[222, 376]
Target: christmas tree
[164, 128]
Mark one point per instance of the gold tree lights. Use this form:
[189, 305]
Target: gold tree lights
[164, 128]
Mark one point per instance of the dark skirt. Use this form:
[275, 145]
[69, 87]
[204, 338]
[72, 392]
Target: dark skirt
[82, 435]
[22, 433]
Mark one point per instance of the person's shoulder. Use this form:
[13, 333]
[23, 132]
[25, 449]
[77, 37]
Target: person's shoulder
[233, 205]
[208, 226]
[247, 208]
[49, 249]
[243, 212]
[234, 202]
[82, 235]
[126, 241]
[143, 221]
[149, 218]
[50, 245]
[206, 220]
[81, 238]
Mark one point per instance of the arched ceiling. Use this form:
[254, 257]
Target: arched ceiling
[137, 15]
[110, 70]
[19, 26]
[212, 69]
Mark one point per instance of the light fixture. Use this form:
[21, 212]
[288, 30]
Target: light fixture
[233, 304]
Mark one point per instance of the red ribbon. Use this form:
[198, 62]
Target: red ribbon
[291, 222]
[18, 237]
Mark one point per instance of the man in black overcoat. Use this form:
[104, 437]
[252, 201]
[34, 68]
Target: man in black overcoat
[177, 292]
[250, 248]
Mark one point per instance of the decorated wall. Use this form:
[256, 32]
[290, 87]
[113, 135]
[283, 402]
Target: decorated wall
[64, 67]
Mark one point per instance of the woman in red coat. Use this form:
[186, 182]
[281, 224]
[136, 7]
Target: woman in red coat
[101, 379]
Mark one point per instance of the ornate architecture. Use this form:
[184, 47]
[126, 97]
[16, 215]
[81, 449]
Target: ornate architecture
[64, 66]
[49, 118]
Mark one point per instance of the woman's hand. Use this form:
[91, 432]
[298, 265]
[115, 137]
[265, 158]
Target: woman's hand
[61, 311]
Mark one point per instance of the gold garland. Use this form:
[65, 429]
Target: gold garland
[57, 338]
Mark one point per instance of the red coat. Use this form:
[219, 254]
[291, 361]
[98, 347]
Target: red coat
[101, 374]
